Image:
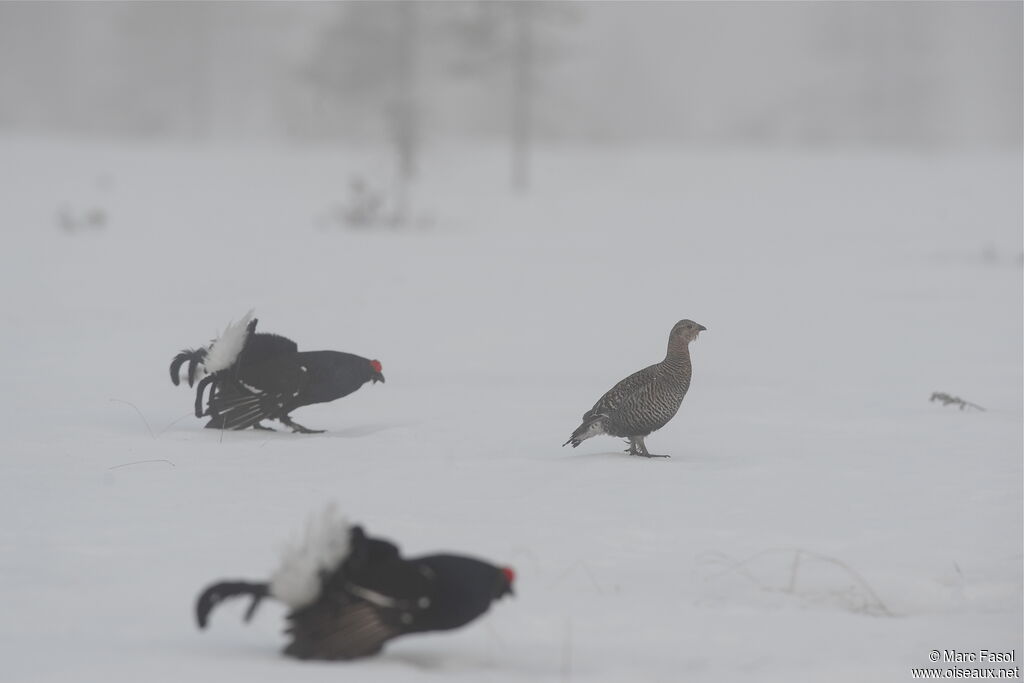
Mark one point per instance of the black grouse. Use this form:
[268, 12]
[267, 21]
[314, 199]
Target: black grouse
[349, 594]
[256, 376]
[646, 400]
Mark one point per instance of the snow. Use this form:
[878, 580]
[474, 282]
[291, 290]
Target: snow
[819, 518]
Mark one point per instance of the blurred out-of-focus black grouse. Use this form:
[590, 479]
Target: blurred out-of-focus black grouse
[349, 594]
[257, 376]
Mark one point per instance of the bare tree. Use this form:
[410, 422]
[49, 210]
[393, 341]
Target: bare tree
[522, 94]
[406, 120]
[512, 44]
[368, 59]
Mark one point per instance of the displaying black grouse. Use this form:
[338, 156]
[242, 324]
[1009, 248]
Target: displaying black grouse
[256, 376]
[349, 594]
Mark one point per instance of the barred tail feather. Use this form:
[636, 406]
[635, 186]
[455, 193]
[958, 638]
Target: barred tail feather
[590, 427]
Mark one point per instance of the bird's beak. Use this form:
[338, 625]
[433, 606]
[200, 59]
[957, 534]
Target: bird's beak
[377, 377]
[510, 577]
[701, 328]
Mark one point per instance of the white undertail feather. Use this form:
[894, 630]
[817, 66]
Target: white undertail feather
[298, 580]
[223, 351]
[593, 429]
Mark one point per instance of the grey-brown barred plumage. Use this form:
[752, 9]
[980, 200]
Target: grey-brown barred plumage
[646, 400]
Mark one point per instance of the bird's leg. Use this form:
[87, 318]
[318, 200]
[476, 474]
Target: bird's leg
[639, 441]
[263, 427]
[296, 427]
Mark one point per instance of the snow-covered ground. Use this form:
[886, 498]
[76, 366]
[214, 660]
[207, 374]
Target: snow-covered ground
[820, 519]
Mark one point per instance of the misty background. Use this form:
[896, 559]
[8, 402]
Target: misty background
[509, 205]
[942, 74]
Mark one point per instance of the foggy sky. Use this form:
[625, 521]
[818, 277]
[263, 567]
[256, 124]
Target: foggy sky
[732, 73]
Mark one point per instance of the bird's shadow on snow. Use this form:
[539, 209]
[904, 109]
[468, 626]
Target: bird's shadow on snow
[604, 455]
[442, 662]
[613, 455]
[678, 459]
[283, 433]
[358, 431]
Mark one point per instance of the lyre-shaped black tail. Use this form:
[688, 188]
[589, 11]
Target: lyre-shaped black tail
[194, 358]
[199, 393]
[218, 592]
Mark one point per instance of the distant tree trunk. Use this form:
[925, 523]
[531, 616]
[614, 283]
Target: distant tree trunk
[405, 114]
[522, 94]
[404, 120]
[200, 72]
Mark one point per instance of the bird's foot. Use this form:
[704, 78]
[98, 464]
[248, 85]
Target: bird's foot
[263, 427]
[645, 455]
[640, 449]
[299, 429]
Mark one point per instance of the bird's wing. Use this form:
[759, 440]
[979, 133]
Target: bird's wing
[374, 596]
[621, 392]
[352, 620]
[262, 347]
[238, 404]
[344, 627]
